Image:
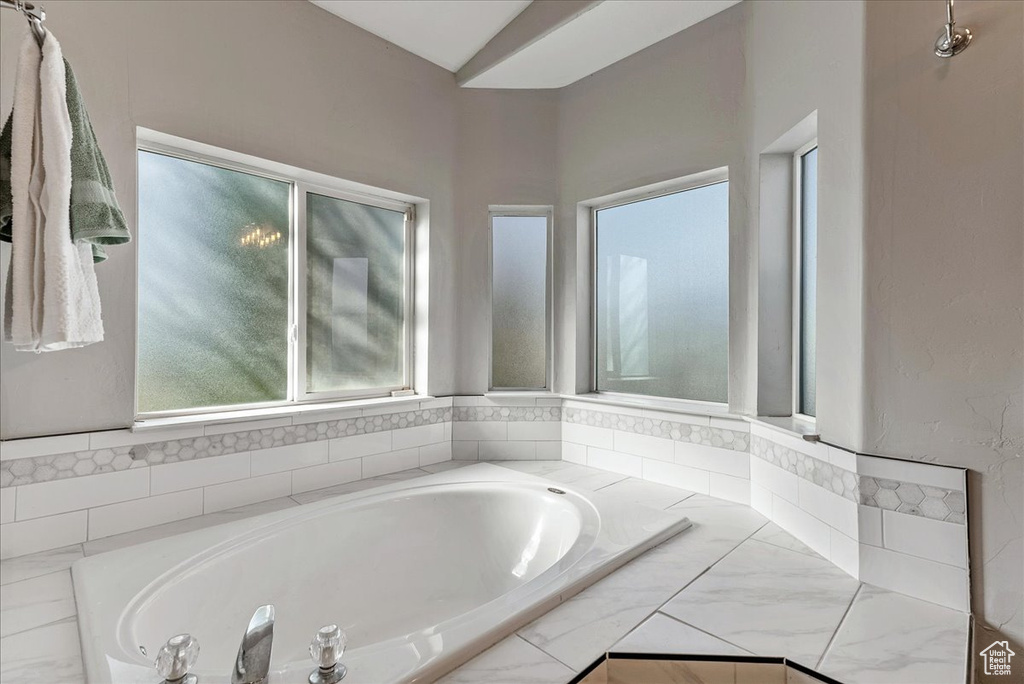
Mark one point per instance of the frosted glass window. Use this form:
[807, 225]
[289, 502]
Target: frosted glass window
[808, 280]
[663, 295]
[213, 286]
[355, 296]
[519, 258]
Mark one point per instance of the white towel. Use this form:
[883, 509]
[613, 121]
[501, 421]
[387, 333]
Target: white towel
[53, 298]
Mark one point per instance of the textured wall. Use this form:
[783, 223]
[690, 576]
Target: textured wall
[280, 80]
[944, 282]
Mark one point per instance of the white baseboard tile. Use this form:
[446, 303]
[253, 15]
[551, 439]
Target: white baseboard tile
[41, 534]
[435, 453]
[714, 459]
[626, 464]
[174, 477]
[602, 438]
[280, 459]
[465, 451]
[106, 521]
[776, 480]
[844, 553]
[549, 451]
[924, 579]
[233, 494]
[357, 446]
[8, 499]
[869, 525]
[761, 500]
[77, 493]
[480, 430]
[730, 488]
[675, 475]
[327, 475]
[934, 540]
[391, 462]
[801, 525]
[574, 453]
[507, 451]
[831, 509]
[658, 448]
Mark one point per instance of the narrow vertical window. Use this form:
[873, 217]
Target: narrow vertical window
[807, 278]
[519, 302]
[662, 301]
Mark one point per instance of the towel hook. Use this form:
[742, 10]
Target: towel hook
[35, 15]
[952, 41]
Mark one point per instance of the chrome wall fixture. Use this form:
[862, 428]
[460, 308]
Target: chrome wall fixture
[952, 41]
[33, 13]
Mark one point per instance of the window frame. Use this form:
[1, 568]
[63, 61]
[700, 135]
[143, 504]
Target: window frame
[532, 211]
[300, 183]
[797, 276]
[672, 187]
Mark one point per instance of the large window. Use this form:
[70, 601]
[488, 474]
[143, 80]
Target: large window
[662, 294]
[519, 300]
[805, 277]
[256, 288]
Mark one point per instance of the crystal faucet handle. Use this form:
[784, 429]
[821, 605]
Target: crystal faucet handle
[326, 649]
[176, 658]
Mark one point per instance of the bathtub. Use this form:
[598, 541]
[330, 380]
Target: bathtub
[422, 575]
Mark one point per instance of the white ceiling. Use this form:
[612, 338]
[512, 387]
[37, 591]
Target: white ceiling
[603, 35]
[447, 32]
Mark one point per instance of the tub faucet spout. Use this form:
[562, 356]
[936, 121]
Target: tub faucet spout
[253, 662]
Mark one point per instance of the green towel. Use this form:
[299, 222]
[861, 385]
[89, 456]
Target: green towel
[95, 215]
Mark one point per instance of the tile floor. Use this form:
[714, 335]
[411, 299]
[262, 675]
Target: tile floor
[731, 584]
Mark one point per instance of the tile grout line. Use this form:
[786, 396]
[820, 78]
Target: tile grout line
[704, 631]
[839, 626]
[541, 649]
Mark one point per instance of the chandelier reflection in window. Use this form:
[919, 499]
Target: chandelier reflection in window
[261, 237]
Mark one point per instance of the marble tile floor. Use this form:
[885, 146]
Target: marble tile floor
[731, 584]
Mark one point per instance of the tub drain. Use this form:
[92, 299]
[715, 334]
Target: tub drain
[553, 490]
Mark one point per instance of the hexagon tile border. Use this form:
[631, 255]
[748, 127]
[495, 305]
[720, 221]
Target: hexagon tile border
[936, 503]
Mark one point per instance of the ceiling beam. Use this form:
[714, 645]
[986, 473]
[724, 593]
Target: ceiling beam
[540, 18]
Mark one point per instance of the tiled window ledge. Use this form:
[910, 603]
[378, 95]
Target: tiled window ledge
[652, 403]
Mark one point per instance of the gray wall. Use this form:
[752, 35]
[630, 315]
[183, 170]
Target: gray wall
[944, 281]
[280, 80]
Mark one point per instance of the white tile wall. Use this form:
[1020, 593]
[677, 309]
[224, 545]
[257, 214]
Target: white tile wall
[603, 438]
[480, 430]
[869, 524]
[931, 539]
[61, 496]
[714, 459]
[507, 451]
[802, 525]
[830, 508]
[761, 500]
[327, 475]
[657, 448]
[435, 453]
[40, 534]
[105, 521]
[174, 477]
[109, 439]
[406, 438]
[910, 471]
[675, 475]
[535, 430]
[924, 579]
[730, 488]
[391, 462]
[776, 480]
[844, 552]
[616, 462]
[232, 494]
[357, 446]
[574, 453]
[42, 446]
[280, 459]
[465, 451]
[7, 499]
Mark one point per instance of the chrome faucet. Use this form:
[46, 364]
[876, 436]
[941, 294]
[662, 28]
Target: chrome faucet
[253, 662]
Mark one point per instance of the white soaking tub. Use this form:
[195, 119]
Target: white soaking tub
[422, 575]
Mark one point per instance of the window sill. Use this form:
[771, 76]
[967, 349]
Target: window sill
[800, 428]
[307, 411]
[653, 403]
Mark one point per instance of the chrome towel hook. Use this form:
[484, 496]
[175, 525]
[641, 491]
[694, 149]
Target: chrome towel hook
[952, 41]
